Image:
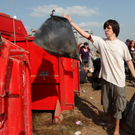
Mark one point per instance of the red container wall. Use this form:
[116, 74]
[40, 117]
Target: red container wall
[17, 115]
[44, 78]
[76, 77]
[66, 91]
[51, 78]
[6, 27]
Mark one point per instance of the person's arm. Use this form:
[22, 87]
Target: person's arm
[80, 57]
[92, 54]
[131, 67]
[77, 28]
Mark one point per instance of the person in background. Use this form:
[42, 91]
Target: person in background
[127, 42]
[84, 57]
[113, 53]
[131, 46]
[125, 64]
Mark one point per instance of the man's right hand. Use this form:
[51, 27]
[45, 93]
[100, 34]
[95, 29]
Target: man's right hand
[68, 17]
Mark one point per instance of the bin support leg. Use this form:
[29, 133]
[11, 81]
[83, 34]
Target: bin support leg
[57, 114]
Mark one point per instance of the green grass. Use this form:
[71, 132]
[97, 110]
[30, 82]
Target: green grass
[36, 118]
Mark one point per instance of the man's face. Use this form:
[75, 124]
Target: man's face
[109, 31]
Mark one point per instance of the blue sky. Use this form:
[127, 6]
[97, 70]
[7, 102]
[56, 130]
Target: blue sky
[88, 14]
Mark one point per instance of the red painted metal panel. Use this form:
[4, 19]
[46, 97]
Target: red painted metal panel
[76, 77]
[44, 96]
[45, 79]
[6, 27]
[18, 102]
[68, 78]
[4, 57]
[17, 116]
[62, 86]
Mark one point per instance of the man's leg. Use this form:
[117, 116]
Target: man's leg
[111, 124]
[117, 127]
[112, 118]
[117, 124]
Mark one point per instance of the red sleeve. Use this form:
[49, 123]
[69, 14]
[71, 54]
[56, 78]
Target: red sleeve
[89, 37]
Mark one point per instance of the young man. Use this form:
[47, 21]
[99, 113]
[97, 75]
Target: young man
[113, 53]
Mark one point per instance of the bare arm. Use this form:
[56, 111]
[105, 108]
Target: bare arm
[92, 53]
[77, 28]
[131, 67]
[80, 57]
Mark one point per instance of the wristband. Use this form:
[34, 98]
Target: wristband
[89, 37]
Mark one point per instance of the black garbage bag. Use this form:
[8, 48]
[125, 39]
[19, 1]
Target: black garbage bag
[128, 119]
[82, 74]
[57, 38]
[96, 64]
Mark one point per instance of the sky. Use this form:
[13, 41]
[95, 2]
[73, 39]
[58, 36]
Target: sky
[88, 14]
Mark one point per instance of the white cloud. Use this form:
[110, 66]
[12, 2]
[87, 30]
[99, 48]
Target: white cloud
[45, 10]
[96, 8]
[90, 24]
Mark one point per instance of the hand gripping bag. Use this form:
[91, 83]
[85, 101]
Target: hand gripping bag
[57, 38]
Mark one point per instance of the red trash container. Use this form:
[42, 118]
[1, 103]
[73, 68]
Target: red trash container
[15, 92]
[54, 80]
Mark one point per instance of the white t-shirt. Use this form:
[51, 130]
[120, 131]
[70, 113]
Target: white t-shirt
[113, 54]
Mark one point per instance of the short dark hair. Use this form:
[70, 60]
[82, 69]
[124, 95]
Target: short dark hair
[128, 40]
[85, 43]
[115, 26]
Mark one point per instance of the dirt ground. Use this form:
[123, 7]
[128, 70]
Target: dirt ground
[88, 110]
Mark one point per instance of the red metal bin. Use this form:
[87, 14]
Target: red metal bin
[54, 80]
[15, 92]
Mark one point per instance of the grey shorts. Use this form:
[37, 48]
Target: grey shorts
[113, 99]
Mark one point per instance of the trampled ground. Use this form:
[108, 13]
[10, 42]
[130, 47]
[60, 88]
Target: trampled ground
[88, 110]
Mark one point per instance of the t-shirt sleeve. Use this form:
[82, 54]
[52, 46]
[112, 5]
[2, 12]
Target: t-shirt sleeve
[127, 55]
[97, 42]
[80, 52]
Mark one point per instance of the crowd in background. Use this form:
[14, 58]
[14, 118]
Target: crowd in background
[130, 44]
[131, 47]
